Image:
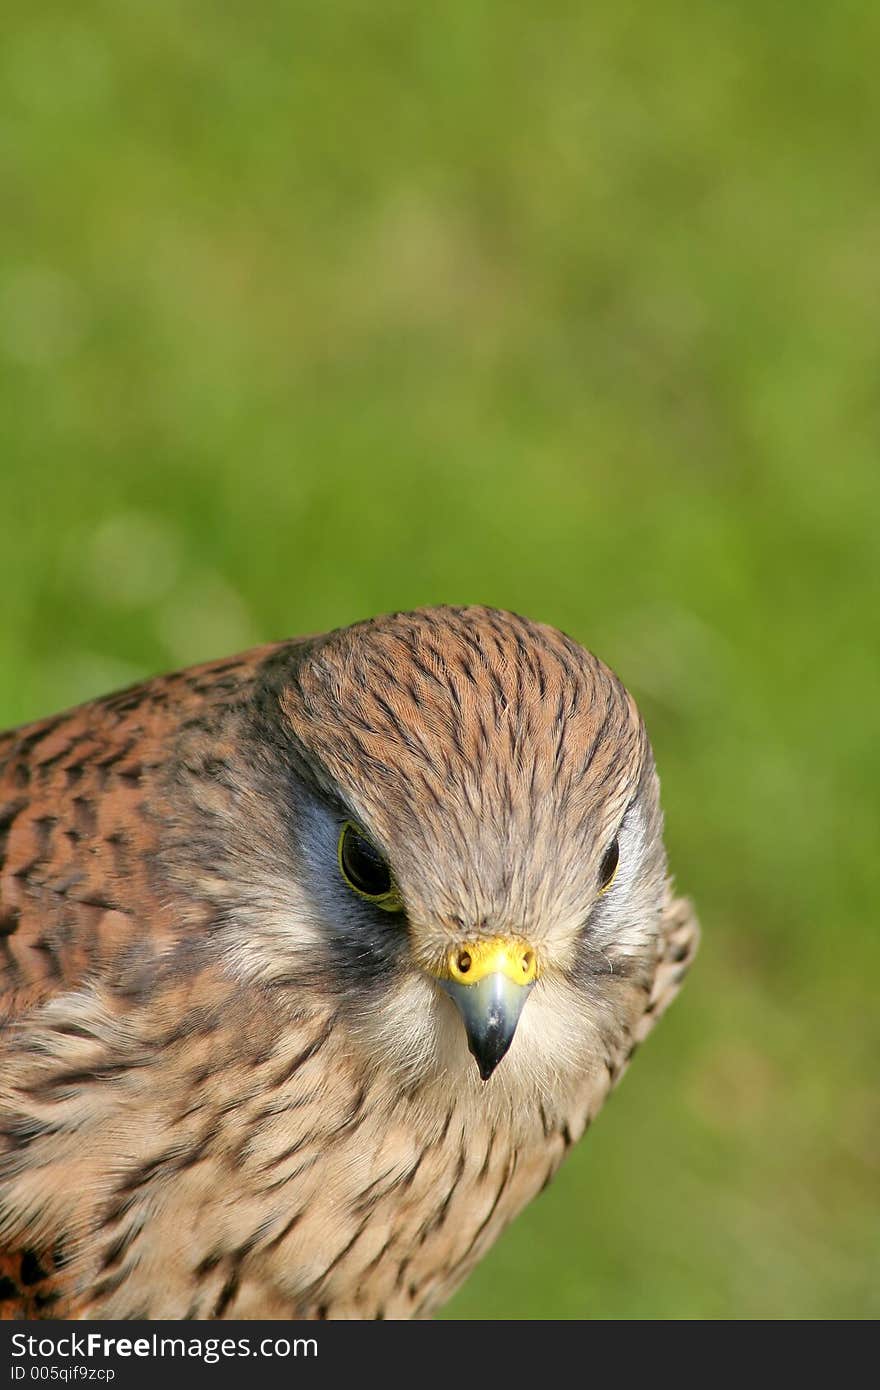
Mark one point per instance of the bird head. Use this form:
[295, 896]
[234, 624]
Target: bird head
[476, 839]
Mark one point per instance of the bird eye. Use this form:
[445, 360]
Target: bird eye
[608, 867]
[365, 870]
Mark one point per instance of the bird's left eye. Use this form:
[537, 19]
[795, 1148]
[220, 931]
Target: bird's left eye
[608, 867]
[365, 870]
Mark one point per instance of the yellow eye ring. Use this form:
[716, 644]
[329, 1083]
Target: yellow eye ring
[365, 870]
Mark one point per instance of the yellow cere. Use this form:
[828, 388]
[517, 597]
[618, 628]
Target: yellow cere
[501, 956]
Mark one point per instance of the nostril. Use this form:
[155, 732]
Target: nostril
[464, 962]
[528, 961]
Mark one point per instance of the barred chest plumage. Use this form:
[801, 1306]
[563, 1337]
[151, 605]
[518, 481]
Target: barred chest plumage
[267, 1179]
[294, 1186]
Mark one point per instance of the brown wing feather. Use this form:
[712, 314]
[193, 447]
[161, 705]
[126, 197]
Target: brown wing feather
[79, 814]
[80, 809]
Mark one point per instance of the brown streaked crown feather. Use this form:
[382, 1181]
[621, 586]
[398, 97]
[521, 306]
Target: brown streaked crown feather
[497, 727]
[81, 820]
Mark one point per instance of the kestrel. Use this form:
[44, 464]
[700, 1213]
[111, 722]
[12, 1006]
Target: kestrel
[314, 963]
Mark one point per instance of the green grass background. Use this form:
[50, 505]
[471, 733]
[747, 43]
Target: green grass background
[312, 311]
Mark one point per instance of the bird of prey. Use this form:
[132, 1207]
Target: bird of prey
[314, 963]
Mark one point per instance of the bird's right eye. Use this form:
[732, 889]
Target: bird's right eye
[365, 870]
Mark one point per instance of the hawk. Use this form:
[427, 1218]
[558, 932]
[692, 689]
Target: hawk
[314, 964]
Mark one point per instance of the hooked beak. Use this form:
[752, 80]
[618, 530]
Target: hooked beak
[489, 982]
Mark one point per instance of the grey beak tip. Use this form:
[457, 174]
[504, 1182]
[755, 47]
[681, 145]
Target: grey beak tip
[488, 1056]
[490, 1011]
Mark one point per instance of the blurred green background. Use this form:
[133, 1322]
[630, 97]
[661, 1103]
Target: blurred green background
[313, 311]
